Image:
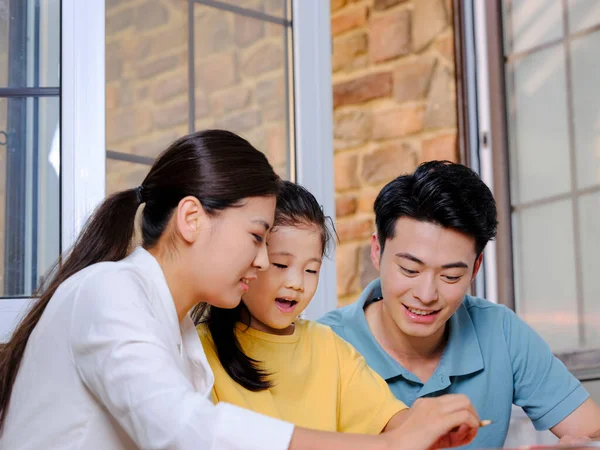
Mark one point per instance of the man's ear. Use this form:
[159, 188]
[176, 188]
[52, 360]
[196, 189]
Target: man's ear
[375, 251]
[477, 265]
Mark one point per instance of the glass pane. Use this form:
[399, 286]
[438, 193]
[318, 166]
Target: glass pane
[583, 14]
[146, 82]
[538, 126]
[29, 43]
[242, 80]
[121, 175]
[589, 211]
[3, 174]
[276, 8]
[29, 183]
[544, 265]
[586, 107]
[529, 23]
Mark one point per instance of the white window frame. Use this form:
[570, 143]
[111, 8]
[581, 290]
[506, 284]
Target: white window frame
[314, 125]
[82, 131]
[83, 142]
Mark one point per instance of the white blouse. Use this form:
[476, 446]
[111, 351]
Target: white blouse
[110, 367]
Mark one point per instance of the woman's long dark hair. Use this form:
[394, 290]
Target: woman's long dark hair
[296, 206]
[217, 167]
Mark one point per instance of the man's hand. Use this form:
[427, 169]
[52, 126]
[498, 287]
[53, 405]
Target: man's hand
[432, 423]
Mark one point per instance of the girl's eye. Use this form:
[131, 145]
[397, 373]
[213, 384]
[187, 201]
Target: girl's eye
[314, 272]
[280, 266]
[258, 238]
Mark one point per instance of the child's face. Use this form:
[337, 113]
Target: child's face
[282, 292]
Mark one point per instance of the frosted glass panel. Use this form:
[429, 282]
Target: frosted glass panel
[529, 23]
[539, 150]
[586, 105]
[583, 14]
[544, 271]
[590, 263]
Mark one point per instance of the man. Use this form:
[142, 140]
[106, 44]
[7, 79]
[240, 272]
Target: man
[418, 328]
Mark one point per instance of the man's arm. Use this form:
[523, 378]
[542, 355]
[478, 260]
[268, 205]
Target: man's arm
[584, 421]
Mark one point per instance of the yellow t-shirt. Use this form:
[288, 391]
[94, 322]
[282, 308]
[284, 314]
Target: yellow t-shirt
[320, 380]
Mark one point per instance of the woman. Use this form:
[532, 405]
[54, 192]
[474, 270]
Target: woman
[108, 358]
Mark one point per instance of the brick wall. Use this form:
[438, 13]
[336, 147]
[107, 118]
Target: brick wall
[394, 107]
[239, 78]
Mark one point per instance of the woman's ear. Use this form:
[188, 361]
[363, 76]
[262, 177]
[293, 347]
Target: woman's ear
[191, 218]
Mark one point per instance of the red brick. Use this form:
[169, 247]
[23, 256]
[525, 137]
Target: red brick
[230, 100]
[158, 66]
[441, 104]
[213, 33]
[349, 19]
[240, 122]
[398, 122]
[337, 4]
[363, 89]
[445, 46]
[367, 200]
[380, 5]
[112, 96]
[150, 14]
[127, 124]
[345, 205]
[247, 30]
[170, 116]
[351, 128]
[270, 91]
[216, 72]
[119, 21]
[168, 88]
[355, 229]
[442, 147]
[265, 58]
[347, 269]
[387, 162]
[345, 171]
[277, 144]
[346, 50]
[389, 36]
[429, 20]
[154, 146]
[412, 79]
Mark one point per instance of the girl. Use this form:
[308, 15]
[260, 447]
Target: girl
[107, 357]
[267, 359]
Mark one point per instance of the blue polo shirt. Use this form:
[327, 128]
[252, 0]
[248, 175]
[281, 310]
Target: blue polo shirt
[492, 356]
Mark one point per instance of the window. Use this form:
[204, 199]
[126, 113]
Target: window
[153, 67]
[184, 65]
[538, 124]
[29, 143]
[180, 66]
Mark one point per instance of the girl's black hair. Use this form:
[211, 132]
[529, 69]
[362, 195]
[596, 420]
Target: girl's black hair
[296, 206]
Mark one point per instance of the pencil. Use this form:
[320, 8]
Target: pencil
[485, 423]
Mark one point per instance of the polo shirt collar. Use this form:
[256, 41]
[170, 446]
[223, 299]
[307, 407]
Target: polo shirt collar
[462, 355]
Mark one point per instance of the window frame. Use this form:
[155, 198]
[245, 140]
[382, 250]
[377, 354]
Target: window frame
[484, 43]
[82, 126]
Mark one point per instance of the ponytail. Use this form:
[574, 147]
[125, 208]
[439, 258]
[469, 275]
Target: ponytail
[107, 236]
[217, 167]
